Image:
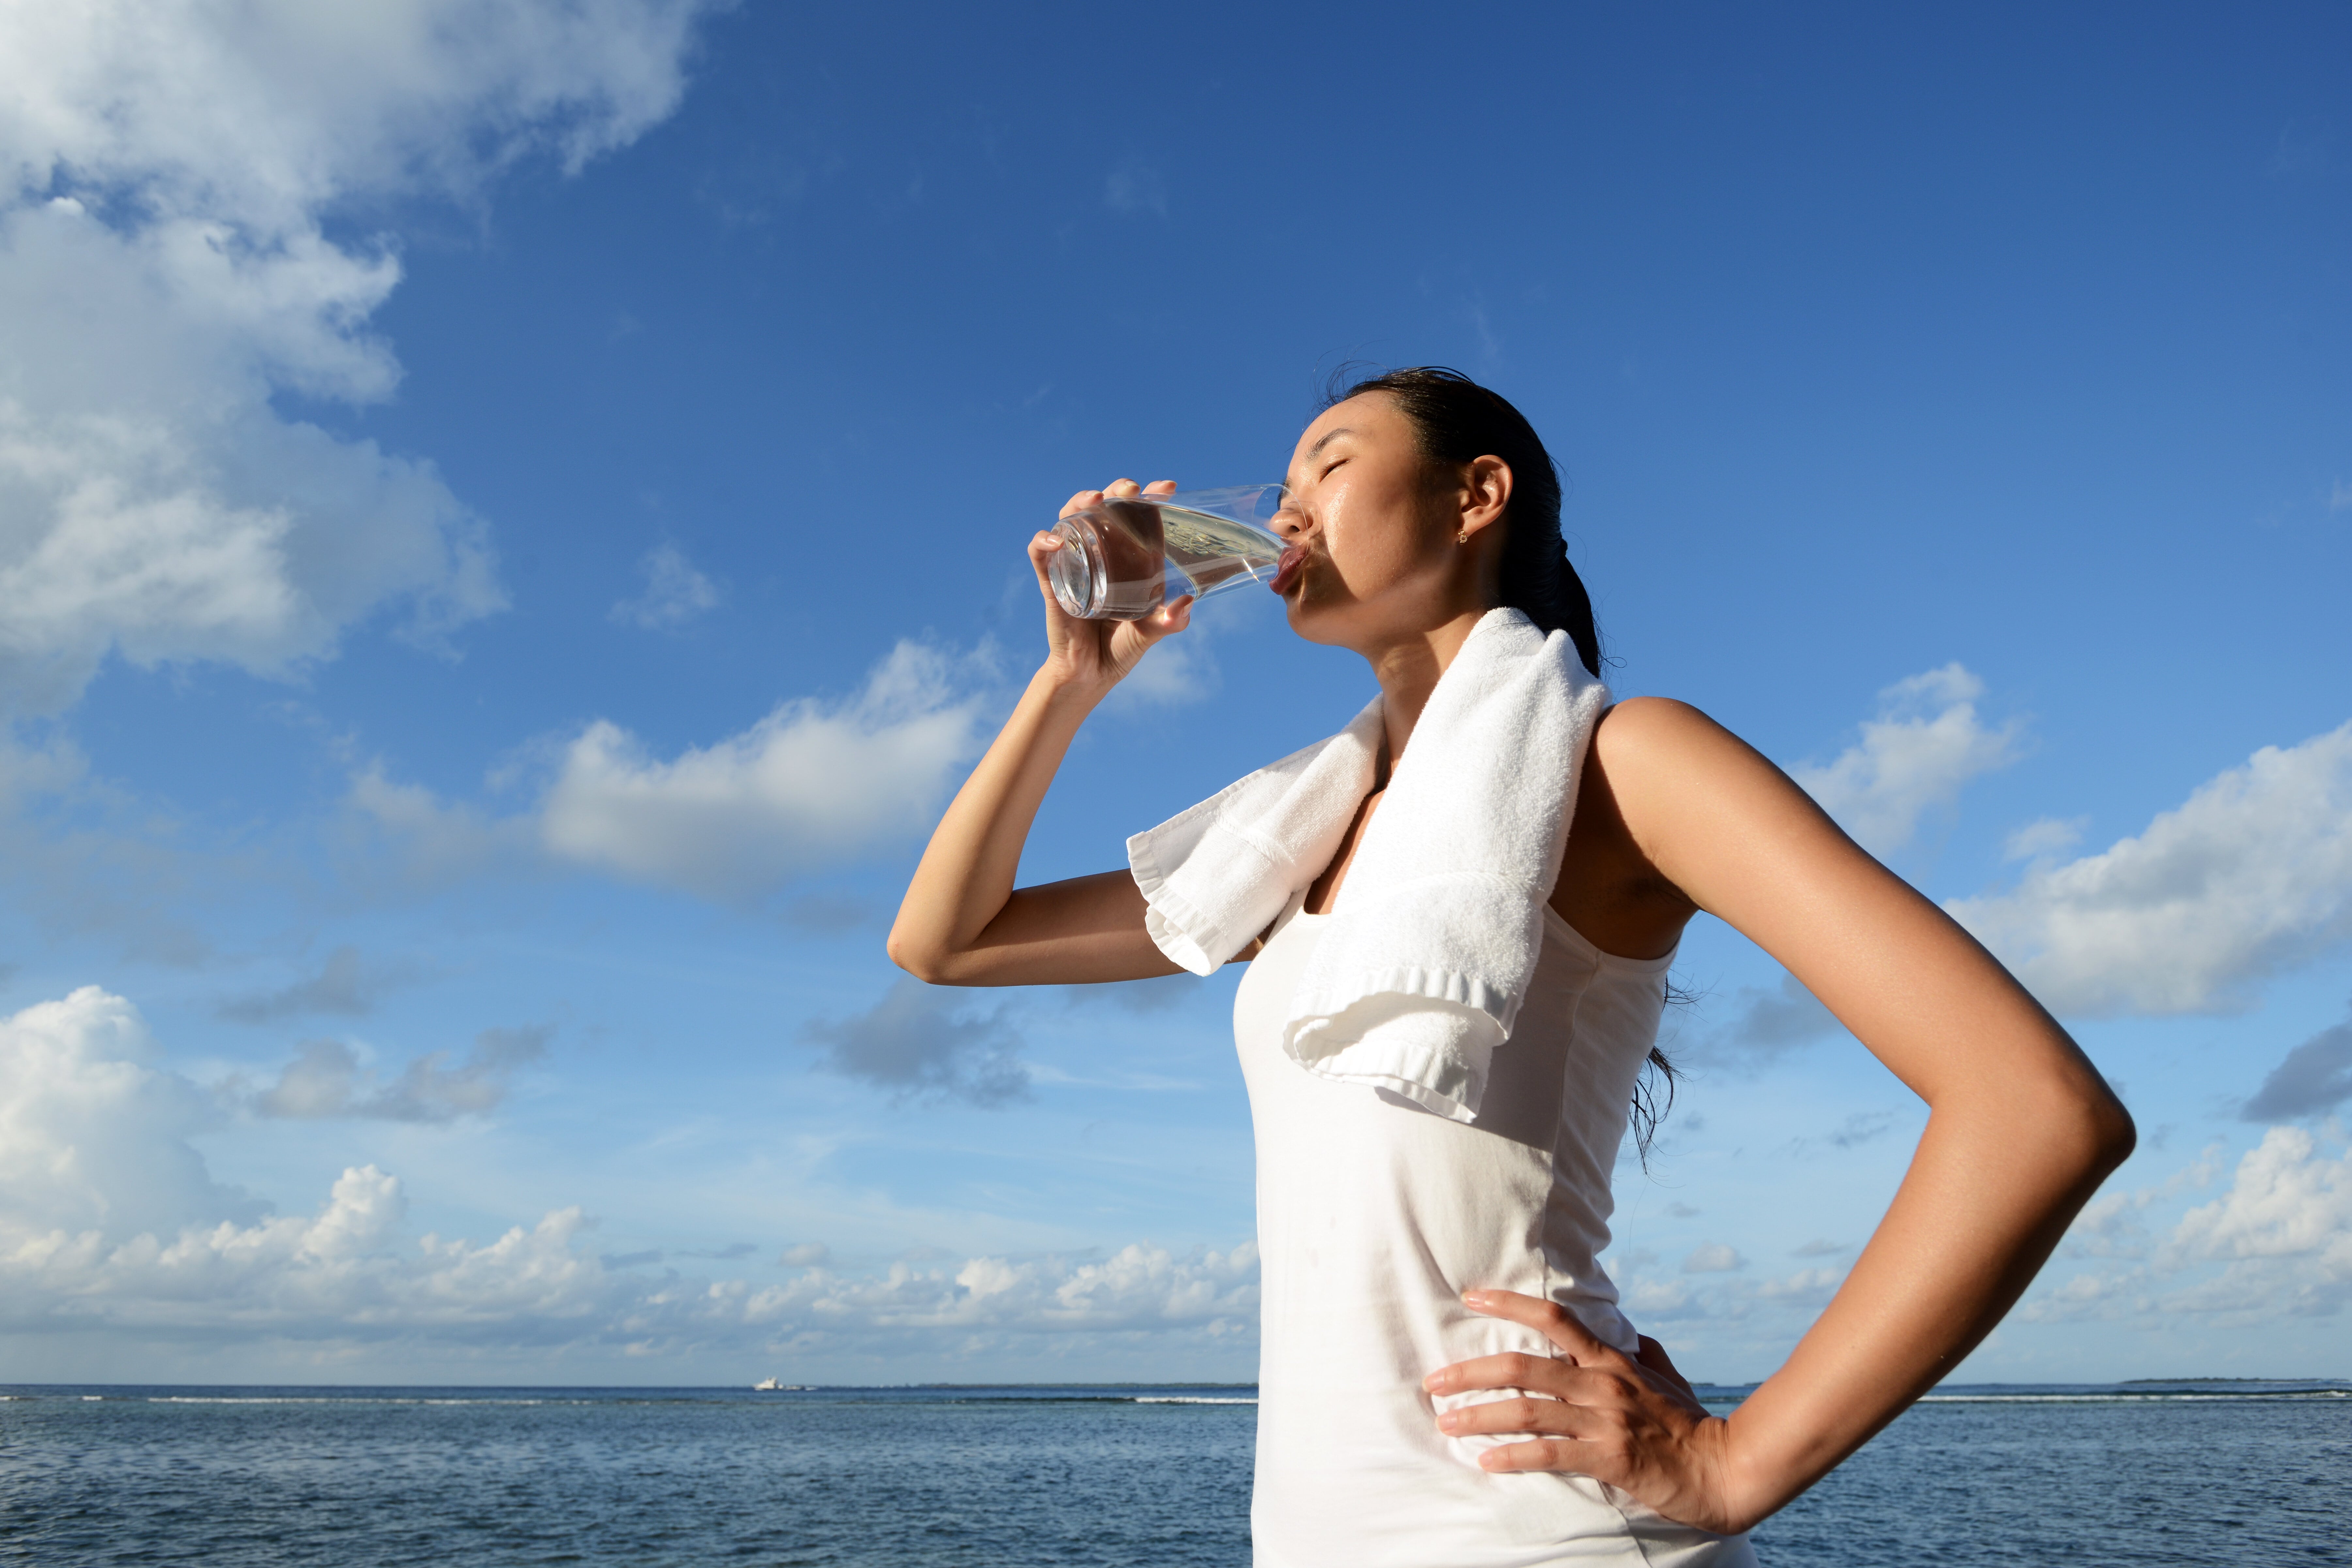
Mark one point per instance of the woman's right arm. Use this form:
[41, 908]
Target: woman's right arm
[963, 921]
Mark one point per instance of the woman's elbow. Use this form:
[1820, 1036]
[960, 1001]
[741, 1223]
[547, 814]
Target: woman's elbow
[2093, 1130]
[2113, 1135]
[921, 960]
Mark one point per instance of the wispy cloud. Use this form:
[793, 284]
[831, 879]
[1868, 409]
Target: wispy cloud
[1135, 188]
[1924, 745]
[815, 784]
[327, 1079]
[929, 1042]
[675, 593]
[345, 983]
[2315, 1078]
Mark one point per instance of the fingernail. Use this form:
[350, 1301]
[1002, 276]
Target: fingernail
[1433, 1382]
[1447, 1421]
[1474, 1298]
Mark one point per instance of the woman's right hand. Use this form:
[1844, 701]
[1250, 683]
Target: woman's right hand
[1098, 654]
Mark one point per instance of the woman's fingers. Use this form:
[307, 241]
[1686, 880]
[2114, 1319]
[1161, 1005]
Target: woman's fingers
[1558, 1417]
[1549, 1318]
[1592, 1410]
[1508, 1369]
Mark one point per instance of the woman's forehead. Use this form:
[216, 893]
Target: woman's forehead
[1368, 415]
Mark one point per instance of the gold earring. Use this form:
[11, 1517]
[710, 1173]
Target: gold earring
[1462, 537]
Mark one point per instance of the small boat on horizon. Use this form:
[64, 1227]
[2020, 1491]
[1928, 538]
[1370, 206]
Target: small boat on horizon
[769, 1385]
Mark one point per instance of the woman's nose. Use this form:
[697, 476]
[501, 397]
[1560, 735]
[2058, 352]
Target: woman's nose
[1290, 523]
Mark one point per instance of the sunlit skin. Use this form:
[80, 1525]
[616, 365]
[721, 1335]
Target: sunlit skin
[1396, 559]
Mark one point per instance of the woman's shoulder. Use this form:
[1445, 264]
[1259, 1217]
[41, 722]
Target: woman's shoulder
[1641, 728]
[1653, 748]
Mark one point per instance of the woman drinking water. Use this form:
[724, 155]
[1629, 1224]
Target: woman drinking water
[1458, 914]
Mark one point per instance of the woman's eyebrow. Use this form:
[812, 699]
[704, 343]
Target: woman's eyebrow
[1328, 436]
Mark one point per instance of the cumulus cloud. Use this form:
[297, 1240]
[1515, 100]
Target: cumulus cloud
[675, 593]
[1915, 757]
[2278, 1242]
[94, 1128]
[345, 983]
[109, 1219]
[325, 1079]
[2250, 876]
[928, 1042]
[345, 1274]
[813, 784]
[2315, 1077]
[167, 269]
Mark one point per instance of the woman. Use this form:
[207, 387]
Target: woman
[1426, 512]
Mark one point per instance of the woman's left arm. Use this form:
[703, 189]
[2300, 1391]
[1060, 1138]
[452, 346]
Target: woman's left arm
[2021, 1131]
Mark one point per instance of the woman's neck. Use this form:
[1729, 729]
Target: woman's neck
[1409, 669]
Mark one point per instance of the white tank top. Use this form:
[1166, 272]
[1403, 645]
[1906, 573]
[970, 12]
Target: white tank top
[1373, 1216]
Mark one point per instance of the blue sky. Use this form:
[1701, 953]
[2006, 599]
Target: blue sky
[512, 525]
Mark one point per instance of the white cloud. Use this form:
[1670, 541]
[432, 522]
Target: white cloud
[1730, 1297]
[2040, 840]
[1714, 1257]
[1179, 671]
[675, 593]
[166, 172]
[109, 1219]
[2278, 1243]
[2252, 875]
[1915, 757]
[2287, 1202]
[812, 784]
[94, 1130]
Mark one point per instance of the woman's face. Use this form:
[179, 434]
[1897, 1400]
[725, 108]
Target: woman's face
[1371, 530]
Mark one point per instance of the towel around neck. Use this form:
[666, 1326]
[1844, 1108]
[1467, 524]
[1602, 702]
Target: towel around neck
[1437, 931]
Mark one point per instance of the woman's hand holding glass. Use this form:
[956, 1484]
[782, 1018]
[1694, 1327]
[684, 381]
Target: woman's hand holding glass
[1592, 1410]
[1100, 654]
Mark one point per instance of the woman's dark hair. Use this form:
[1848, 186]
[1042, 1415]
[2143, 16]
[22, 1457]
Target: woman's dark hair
[1456, 420]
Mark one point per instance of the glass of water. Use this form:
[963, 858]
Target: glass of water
[1125, 556]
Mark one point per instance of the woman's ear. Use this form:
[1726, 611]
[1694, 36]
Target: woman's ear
[1486, 492]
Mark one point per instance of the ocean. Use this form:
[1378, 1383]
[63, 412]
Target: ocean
[2204, 1474]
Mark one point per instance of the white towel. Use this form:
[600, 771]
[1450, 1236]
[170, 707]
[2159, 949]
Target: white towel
[1435, 935]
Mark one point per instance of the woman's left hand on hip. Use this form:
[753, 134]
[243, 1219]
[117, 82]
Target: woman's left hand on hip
[1633, 1422]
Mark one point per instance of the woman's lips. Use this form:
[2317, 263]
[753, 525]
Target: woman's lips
[1287, 570]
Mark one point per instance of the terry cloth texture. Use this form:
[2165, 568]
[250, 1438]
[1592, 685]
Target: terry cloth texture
[1438, 927]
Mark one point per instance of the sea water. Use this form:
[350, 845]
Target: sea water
[2190, 1474]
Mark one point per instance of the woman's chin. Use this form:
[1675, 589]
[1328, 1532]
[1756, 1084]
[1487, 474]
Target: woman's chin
[1313, 622]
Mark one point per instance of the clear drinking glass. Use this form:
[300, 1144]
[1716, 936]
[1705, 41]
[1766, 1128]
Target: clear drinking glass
[1125, 557]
